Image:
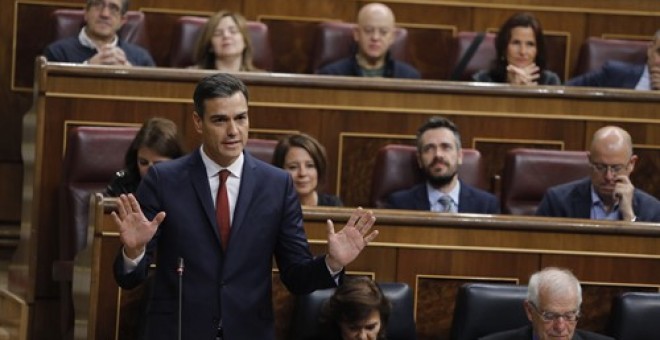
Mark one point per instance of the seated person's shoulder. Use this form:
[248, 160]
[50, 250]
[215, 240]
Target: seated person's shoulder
[586, 335]
[405, 198]
[137, 55]
[551, 78]
[328, 200]
[341, 67]
[405, 70]
[482, 76]
[68, 50]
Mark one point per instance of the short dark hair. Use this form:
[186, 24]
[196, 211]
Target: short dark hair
[220, 85]
[498, 73]
[157, 134]
[124, 5]
[309, 144]
[354, 301]
[435, 123]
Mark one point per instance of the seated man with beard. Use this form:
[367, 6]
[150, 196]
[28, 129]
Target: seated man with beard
[439, 155]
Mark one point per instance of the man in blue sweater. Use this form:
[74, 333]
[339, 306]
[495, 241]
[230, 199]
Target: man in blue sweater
[98, 43]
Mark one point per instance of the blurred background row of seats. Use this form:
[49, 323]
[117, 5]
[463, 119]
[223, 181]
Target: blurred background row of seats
[334, 40]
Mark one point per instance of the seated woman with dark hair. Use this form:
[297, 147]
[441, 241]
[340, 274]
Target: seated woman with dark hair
[156, 141]
[357, 310]
[224, 44]
[304, 158]
[521, 56]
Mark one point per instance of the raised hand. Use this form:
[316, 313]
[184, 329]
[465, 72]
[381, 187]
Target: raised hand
[345, 245]
[135, 231]
[109, 55]
[623, 193]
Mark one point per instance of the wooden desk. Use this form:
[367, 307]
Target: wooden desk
[352, 117]
[433, 254]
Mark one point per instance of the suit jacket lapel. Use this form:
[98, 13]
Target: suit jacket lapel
[200, 183]
[464, 198]
[582, 201]
[422, 198]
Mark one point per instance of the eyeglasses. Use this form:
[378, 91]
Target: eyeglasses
[615, 169]
[548, 317]
[100, 5]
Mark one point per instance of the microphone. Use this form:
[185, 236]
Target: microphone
[179, 272]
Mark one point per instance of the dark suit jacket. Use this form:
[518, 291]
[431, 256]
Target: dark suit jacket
[525, 333]
[573, 199]
[235, 286]
[350, 67]
[327, 200]
[612, 74]
[471, 200]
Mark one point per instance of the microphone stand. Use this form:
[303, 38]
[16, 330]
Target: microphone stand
[179, 271]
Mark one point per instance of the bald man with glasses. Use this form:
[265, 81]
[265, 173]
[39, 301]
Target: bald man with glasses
[608, 194]
[554, 297]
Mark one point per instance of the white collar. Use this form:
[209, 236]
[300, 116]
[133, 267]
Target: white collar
[86, 41]
[213, 168]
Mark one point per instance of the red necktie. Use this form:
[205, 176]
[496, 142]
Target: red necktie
[222, 209]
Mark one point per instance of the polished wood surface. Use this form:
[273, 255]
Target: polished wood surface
[434, 254]
[352, 117]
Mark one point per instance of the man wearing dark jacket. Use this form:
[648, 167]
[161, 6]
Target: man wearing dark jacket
[608, 194]
[553, 304]
[374, 34]
[439, 155]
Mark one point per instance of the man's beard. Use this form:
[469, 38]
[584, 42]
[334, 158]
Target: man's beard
[439, 181]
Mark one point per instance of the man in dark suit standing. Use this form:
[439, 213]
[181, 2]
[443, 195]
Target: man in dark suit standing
[439, 155]
[608, 194]
[554, 296]
[625, 75]
[228, 250]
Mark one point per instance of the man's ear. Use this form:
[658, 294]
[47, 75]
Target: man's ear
[356, 33]
[460, 156]
[197, 121]
[633, 161]
[528, 310]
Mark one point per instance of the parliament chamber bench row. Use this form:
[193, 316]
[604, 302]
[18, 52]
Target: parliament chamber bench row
[328, 41]
[482, 309]
[459, 281]
[94, 153]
